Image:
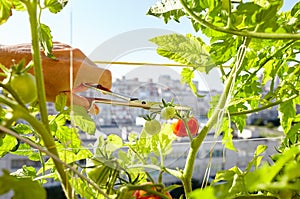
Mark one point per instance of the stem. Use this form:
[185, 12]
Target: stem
[197, 141]
[42, 128]
[38, 72]
[263, 107]
[244, 33]
[41, 149]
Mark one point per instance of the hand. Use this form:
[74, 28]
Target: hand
[57, 71]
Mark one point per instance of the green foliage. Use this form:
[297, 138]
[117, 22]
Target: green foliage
[188, 50]
[46, 40]
[23, 188]
[83, 120]
[55, 6]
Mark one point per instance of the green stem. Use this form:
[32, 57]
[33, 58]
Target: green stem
[244, 33]
[38, 72]
[263, 107]
[42, 128]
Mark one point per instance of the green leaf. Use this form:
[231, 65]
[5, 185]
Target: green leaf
[187, 50]
[8, 143]
[24, 188]
[223, 50]
[60, 102]
[46, 40]
[21, 128]
[55, 6]
[25, 172]
[207, 192]
[227, 134]
[287, 113]
[68, 137]
[83, 120]
[292, 136]
[260, 149]
[167, 10]
[296, 9]
[5, 10]
[187, 75]
[114, 142]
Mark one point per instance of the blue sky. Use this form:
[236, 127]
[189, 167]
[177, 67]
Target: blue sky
[87, 24]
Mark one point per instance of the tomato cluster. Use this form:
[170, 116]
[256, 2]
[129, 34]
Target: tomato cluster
[152, 126]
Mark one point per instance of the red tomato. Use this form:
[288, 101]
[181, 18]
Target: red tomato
[141, 194]
[180, 130]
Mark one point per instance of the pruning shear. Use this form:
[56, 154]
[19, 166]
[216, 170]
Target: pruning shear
[127, 101]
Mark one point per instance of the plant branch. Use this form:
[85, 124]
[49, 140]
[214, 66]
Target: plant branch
[263, 107]
[54, 157]
[244, 33]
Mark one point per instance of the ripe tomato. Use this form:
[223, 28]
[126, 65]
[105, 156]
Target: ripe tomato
[25, 86]
[141, 194]
[167, 112]
[179, 129]
[152, 127]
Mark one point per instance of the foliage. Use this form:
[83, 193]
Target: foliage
[255, 47]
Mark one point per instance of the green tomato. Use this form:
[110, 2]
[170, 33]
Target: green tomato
[25, 86]
[152, 127]
[167, 113]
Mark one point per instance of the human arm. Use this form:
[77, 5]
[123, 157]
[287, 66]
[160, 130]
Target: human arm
[57, 71]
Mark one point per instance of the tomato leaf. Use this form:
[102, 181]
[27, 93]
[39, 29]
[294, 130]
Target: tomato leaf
[5, 10]
[24, 188]
[188, 50]
[8, 143]
[170, 9]
[55, 6]
[46, 40]
[287, 112]
[187, 76]
[83, 120]
[207, 192]
[60, 102]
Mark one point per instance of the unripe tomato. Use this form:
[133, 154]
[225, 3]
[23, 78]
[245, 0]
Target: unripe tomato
[167, 112]
[152, 127]
[25, 86]
[179, 129]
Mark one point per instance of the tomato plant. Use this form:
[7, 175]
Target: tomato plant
[255, 47]
[25, 86]
[179, 128]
